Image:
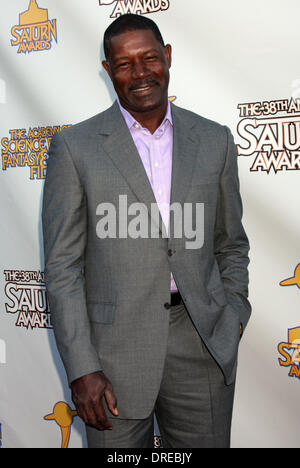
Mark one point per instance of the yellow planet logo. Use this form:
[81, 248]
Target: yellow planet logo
[294, 280]
[63, 415]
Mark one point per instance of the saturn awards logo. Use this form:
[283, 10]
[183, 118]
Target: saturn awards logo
[270, 132]
[290, 349]
[137, 7]
[35, 31]
[290, 352]
[27, 300]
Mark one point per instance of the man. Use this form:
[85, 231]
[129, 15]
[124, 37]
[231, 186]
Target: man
[151, 323]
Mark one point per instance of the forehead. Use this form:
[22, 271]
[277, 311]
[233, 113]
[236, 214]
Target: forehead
[133, 42]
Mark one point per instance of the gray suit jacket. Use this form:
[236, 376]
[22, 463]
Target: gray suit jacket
[107, 296]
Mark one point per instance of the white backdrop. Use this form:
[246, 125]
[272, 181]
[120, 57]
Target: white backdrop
[236, 62]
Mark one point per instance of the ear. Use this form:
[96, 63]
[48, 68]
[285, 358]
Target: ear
[168, 54]
[107, 68]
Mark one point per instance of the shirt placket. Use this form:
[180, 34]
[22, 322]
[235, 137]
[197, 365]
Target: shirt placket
[160, 177]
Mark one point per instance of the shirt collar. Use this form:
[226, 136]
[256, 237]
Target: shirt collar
[131, 122]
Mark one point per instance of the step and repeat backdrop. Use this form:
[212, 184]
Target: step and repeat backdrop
[236, 62]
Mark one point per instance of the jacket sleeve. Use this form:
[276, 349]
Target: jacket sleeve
[231, 242]
[65, 232]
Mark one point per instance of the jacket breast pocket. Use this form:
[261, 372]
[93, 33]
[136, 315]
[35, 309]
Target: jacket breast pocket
[101, 312]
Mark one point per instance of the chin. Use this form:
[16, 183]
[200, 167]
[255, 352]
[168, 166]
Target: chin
[147, 105]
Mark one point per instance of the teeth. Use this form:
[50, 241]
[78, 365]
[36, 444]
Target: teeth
[142, 89]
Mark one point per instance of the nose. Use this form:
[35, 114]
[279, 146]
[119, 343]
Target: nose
[139, 70]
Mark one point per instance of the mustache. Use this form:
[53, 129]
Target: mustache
[143, 83]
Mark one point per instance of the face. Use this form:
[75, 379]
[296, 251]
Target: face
[138, 66]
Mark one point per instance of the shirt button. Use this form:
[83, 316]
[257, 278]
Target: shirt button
[156, 164]
[159, 192]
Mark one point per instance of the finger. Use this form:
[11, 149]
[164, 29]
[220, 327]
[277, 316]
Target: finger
[93, 414]
[91, 418]
[101, 417]
[111, 401]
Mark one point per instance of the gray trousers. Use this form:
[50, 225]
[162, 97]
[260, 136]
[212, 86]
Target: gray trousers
[194, 406]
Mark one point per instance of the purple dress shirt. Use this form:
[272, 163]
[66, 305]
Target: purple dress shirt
[156, 153]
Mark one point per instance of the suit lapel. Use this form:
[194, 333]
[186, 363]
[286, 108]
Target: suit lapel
[184, 156]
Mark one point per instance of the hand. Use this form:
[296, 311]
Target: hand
[87, 394]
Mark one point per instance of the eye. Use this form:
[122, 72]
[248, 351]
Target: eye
[123, 65]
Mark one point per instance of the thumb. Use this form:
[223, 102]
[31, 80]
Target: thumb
[111, 401]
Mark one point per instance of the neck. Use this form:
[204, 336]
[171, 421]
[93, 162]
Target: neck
[151, 119]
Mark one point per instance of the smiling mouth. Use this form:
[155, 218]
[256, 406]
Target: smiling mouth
[142, 90]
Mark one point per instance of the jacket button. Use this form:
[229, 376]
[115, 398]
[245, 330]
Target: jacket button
[167, 306]
[170, 252]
